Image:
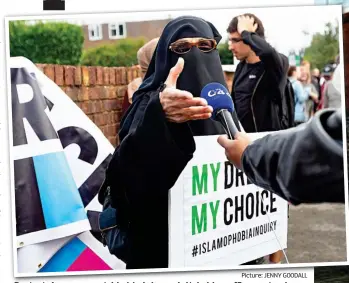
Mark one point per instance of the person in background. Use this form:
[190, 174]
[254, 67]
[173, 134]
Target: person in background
[260, 76]
[327, 74]
[332, 91]
[301, 96]
[315, 79]
[258, 80]
[311, 86]
[144, 56]
[306, 65]
[328, 71]
[310, 89]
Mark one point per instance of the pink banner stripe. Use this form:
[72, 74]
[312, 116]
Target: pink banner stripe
[89, 261]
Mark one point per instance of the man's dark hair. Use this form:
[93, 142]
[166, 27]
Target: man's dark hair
[233, 25]
[291, 70]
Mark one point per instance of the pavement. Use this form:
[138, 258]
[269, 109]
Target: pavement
[317, 234]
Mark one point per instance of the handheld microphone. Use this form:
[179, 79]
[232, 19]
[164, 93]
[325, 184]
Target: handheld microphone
[219, 98]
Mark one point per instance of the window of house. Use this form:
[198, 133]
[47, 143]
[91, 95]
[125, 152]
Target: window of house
[117, 31]
[95, 32]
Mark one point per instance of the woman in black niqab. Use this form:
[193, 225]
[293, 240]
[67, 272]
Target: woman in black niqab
[200, 68]
[153, 151]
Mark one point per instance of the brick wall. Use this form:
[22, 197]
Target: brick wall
[98, 91]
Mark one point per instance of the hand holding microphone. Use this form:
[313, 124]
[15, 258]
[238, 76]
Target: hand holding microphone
[234, 149]
[180, 106]
[235, 142]
[219, 98]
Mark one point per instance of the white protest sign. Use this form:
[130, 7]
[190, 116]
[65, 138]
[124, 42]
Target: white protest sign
[42, 178]
[62, 127]
[217, 217]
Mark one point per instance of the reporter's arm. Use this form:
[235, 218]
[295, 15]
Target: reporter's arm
[297, 164]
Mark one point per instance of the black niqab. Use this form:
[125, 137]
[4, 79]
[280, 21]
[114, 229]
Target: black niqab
[199, 69]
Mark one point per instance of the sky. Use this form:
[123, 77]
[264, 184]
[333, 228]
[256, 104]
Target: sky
[284, 26]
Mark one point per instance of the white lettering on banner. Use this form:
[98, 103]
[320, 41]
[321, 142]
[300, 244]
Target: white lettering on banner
[25, 93]
[218, 217]
[233, 238]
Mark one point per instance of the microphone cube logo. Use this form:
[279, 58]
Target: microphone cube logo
[213, 89]
[218, 97]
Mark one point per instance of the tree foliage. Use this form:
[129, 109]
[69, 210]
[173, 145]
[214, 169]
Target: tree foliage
[324, 47]
[50, 43]
[225, 54]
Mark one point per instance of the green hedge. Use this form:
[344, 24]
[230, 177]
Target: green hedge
[227, 57]
[50, 43]
[122, 53]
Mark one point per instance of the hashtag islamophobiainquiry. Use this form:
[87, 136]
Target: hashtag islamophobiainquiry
[234, 238]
